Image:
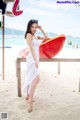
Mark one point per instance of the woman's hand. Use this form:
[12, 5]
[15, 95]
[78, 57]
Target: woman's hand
[37, 63]
[39, 27]
[46, 36]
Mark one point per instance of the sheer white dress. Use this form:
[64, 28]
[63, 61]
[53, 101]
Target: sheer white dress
[31, 70]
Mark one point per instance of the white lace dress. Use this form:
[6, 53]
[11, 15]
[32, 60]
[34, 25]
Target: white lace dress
[31, 70]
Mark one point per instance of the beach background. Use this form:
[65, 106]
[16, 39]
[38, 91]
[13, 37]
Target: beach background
[57, 96]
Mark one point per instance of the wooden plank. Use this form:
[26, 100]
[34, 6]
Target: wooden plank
[16, 68]
[60, 59]
[19, 77]
[53, 59]
[58, 67]
[3, 50]
[79, 84]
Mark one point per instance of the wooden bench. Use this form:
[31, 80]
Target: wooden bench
[18, 67]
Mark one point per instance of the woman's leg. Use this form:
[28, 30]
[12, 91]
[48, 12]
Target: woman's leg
[31, 94]
[33, 87]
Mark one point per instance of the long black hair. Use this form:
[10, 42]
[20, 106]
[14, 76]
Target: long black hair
[30, 23]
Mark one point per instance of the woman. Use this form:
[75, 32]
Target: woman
[32, 77]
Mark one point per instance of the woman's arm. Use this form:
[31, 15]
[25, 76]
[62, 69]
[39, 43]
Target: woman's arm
[44, 33]
[29, 41]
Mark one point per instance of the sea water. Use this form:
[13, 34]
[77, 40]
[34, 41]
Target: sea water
[12, 41]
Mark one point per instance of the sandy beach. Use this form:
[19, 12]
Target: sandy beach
[56, 97]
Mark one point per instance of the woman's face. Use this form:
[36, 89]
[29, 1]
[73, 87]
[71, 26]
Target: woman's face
[34, 28]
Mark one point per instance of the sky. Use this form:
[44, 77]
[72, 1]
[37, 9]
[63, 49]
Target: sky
[52, 16]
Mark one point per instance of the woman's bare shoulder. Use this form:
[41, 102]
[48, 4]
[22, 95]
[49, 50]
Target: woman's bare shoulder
[29, 36]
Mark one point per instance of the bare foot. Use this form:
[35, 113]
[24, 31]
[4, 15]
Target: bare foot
[30, 106]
